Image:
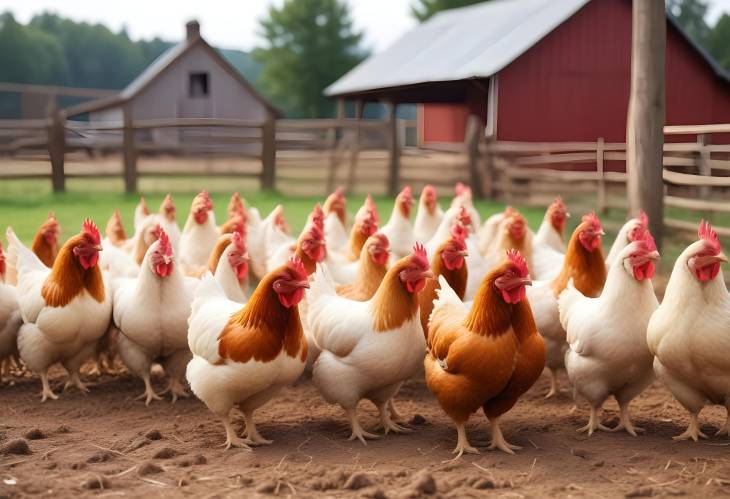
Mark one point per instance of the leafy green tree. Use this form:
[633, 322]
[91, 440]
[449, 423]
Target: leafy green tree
[691, 16]
[424, 9]
[718, 41]
[308, 45]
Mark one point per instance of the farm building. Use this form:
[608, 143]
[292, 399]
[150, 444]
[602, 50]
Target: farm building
[190, 80]
[534, 70]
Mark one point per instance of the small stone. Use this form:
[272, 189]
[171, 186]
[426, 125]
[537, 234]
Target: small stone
[266, 488]
[97, 483]
[35, 434]
[185, 462]
[357, 481]
[78, 466]
[200, 459]
[644, 491]
[165, 453]
[100, 457]
[424, 483]
[580, 453]
[16, 446]
[418, 420]
[138, 443]
[63, 429]
[154, 435]
[149, 468]
[484, 483]
[598, 464]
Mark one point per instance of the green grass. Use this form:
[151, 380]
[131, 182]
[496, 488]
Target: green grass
[24, 204]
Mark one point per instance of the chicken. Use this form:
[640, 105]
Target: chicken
[608, 354]
[120, 263]
[584, 264]
[488, 232]
[335, 222]
[447, 261]
[199, 234]
[45, 246]
[399, 229]
[452, 217]
[310, 247]
[229, 264]
[628, 233]
[429, 215]
[257, 232]
[65, 309]
[552, 229]
[151, 314]
[344, 270]
[688, 333]
[236, 223]
[512, 233]
[114, 232]
[141, 212]
[486, 357]
[236, 206]
[167, 218]
[10, 320]
[245, 355]
[368, 347]
[464, 198]
[372, 266]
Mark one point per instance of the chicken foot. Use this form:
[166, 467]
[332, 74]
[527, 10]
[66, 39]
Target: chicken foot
[388, 424]
[725, 429]
[46, 393]
[625, 422]
[176, 389]
[593, 423]
[75, 380]
[693, 430]
[498, 441]
[553, 383]
[233, 440]
[251, 433]
[394, 414]
[462, 444]
[149, 393]
[357, 430]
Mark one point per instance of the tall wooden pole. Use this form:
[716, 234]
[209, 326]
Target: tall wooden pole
[393, 150]
[645, 127]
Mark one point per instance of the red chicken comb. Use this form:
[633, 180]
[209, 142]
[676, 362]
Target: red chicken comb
[558, 204]
[238, 240]
[371, 206]
[164, 245]
[2, 260]
[420, 257]
[339, 192]
[91, 231]
[643, 218]
[461, 188]
[316, 232]
[429, 191]
[458, 230]
[317, 216]
[382, 239]
[406, 192]
[208, 200]
[157, 231]
[458, 239]
[296, 265]
[648, 240]
[592, 219]
[516, 259]
[709, 236]
[168, 202]
[464, 217]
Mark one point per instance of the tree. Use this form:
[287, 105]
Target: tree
[718, 41]
[424, 9]
[691, 16]
[308, 45]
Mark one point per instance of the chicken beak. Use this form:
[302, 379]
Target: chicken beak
[302, 284]
[464, 253]
[427, 274]
[98, 247]
[721, 257]
[602, 233]
[654, 255]
[526, 281]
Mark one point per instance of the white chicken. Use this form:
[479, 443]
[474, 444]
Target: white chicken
[368, 348]
[199, 234]
[464, 198]
[256, 235]
[167, 218]
[688, 333]
[552, 229]
[151, 314]
[10, 320]
[335, 222]
[231, 267]
[342, 268]
[429, 215]
[243, 356]
[141, 212]
[65, 309]
[629, 232]
[399, 229]
[607, 353]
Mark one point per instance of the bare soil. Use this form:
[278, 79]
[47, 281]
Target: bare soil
[108, 444]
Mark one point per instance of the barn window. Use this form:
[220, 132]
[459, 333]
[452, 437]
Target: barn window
[198, 85]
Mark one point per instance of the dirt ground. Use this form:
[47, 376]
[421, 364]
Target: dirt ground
[108, 444]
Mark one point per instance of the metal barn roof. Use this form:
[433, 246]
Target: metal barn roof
[470, 42]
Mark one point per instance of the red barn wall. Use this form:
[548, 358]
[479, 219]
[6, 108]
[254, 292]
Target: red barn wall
[443, 122]
[573, 85]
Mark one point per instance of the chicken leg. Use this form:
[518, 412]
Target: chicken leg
[251, 433]
[73, 365]
[498, 441]
[625, 422]
[553, 383]
[233, 440]
[693, 430]
[46, 393]
[462, 443]
[725, 429]
[357, 430]
[593, 423]
[175, 366]
[388, 424]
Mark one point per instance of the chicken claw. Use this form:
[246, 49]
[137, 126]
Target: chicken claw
[693, 430]
[394, 414]
[149, 393]
[74, 380]
[498, 441]
[594, 424]
[232, 440]
[626, 424]
[251, 433]
[357, 430]
[47, 393]
[462, 444]
[390, 425]
[176, 389]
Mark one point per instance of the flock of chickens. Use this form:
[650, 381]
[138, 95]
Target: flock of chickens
[483, 308]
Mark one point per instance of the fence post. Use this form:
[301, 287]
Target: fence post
[268, 153]
[57, 149]
[704, 167]
[130, 155]
[600, 145]
[474, 131]
[332, 146]
[393, 150]
[355, 155]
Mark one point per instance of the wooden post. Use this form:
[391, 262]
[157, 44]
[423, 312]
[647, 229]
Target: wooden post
[600, 146]
[489, 159]
[268, 153]
[130, 154]
[645, 127]
[332, 146]
[355, 154]
[57, 148]
[393, 150]
[341, 108]
[703, 163]
[474, 134]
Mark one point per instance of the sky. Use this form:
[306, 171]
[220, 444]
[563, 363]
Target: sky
[230, 23]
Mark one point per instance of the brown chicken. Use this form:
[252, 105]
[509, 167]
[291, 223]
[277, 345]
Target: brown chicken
[236, 206]
[370, 272]
[45, 242]
[448, 261]
[366, 224]
[114, 231]
[485, 357]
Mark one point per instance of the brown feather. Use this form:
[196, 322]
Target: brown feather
[456, 279]
[68, 278]
[369, 277]
[393, 305]
[586, 268]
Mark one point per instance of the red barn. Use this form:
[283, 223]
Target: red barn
[534, 70]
